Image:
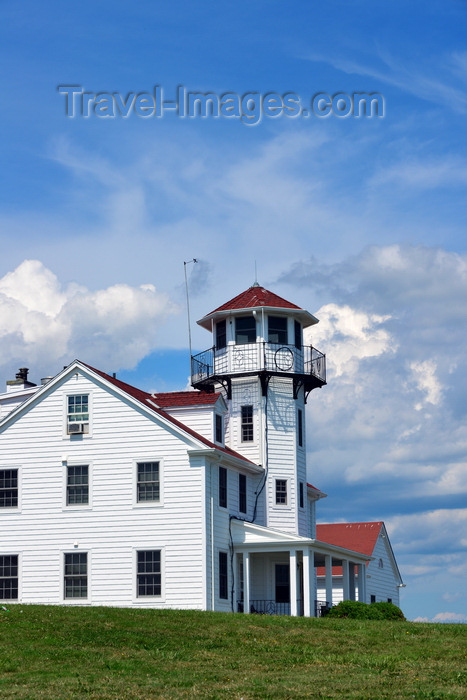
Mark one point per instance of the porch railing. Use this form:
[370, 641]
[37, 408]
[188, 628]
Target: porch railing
[268, 607]
[256, 357]
[322, 608]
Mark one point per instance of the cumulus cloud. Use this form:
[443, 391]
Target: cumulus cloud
[44, 325]
[387, 437]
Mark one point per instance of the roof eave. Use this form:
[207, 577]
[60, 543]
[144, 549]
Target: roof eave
[305, 317]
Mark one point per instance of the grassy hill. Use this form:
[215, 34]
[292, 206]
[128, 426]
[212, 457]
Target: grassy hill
[119, 654]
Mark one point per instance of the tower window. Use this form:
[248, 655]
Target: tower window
[301, 495]
[242, 493]
[247, 424]
[277, 330]
[223, 487]
[219, 428]
[221, 335]
[281, 492]
[300, 427]
[245, 330]
[298, 335]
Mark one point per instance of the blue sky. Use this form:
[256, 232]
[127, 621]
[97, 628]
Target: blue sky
[361, 221]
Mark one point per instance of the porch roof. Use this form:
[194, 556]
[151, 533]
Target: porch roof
[249, 537]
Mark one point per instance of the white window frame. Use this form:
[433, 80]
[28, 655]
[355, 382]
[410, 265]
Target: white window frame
[150, 599]
[77, 436]
[148, 504]
[287, 492]
[77, 506]
[252, 441]
[76, 601]
[17, 508]
[15, 553]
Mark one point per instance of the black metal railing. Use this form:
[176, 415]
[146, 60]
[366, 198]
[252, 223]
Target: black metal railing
[268, 607]
[322, 608]
[256, 357]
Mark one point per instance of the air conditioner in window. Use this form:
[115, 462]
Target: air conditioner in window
[75, 428]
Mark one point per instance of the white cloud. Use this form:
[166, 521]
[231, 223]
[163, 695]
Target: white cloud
[450, 617]
[424, 376]
[353, 335]
[44, 325]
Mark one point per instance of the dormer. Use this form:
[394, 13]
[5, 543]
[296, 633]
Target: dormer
[199, 410]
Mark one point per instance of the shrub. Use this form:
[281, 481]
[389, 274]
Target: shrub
[363, 611]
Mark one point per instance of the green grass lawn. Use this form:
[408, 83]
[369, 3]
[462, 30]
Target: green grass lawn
[112, 653]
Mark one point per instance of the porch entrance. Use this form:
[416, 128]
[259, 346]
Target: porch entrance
[282, 583]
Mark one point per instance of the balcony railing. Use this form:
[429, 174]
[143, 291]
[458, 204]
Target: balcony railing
[258, 357]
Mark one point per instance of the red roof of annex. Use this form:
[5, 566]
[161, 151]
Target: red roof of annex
[359, 537]
[174, 399]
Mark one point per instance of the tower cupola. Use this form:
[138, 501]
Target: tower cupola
[258, 333]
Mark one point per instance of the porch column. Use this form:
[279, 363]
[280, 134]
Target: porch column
[351, 580]
[345, 579]
[309, 583]
[361, 582]
[328, 566]
[293, 582]
[246, 582]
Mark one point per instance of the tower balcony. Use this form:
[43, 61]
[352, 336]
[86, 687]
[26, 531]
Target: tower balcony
[306, 365]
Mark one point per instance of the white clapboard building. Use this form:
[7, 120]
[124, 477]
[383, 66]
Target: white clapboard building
[110, 495]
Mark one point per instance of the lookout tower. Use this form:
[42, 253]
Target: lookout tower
[259, 361]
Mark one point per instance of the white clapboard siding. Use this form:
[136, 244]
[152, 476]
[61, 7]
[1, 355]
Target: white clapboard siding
[113, 526]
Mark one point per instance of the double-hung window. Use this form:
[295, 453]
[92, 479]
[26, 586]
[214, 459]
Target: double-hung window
[148, 576]
[247, 424]
[8, 488]
[77, 485]
[148, 486]
[281, 492]
[76, 575]
[9, 577]
[78, 414]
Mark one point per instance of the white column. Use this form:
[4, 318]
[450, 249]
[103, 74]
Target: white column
[345, 579]
[361, 582]
[246, 582]
[293, 582]
[351, 566]
[309, 583]
[328, 566]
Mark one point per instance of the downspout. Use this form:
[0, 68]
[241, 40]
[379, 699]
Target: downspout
[213, 581]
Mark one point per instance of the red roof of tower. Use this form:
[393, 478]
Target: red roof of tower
[253, 297]
[258, 297]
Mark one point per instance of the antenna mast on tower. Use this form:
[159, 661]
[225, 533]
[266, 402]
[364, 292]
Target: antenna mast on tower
[194, 260]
